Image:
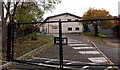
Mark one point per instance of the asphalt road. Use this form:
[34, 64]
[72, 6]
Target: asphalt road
[78, 52]
[112, 53]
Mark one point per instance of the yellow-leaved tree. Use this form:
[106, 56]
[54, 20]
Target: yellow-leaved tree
[98, 14]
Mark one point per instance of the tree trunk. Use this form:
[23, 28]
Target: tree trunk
[96, 30]
[4, 29]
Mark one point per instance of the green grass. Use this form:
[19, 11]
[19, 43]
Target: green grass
[88, 33]
[92, 34]
[25, 45]
[29, 45]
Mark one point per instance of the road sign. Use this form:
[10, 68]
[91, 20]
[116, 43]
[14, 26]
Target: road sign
[64, 41]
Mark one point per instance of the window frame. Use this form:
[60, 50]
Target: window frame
[77, 29]
[69, 28]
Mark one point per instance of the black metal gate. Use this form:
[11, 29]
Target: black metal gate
[58, 41]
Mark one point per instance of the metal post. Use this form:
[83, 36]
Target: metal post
[60, 45]
[48, 26]
[12, 57]
[9, 43]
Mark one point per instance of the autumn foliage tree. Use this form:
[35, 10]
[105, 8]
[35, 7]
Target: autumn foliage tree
[98, 14]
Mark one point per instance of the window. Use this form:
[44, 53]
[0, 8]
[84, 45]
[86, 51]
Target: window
[77, 28]
[69, 19]
[76, 19]
[69, 29]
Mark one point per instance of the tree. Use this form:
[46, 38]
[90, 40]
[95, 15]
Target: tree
[98, 14]
[26, 14]
[11, 7]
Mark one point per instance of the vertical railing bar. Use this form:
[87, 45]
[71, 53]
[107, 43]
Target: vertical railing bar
[12, 57]
[60, 45]
[9, 43]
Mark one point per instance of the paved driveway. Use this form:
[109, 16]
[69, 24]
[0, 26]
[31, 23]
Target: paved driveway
[77, 52]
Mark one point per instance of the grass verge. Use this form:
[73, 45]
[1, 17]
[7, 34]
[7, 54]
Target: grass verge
[26, 45]
[91, 34]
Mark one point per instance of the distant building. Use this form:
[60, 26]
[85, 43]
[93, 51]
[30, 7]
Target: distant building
[68, 27]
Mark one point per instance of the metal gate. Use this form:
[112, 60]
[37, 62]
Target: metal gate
[63, 53]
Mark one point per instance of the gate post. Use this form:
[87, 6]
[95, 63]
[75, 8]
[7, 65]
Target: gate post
[9, 43]
[12, 40]
[60, 45]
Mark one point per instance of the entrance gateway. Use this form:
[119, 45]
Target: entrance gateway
[57, 40]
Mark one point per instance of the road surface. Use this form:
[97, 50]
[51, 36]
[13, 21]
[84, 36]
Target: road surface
[78, 52]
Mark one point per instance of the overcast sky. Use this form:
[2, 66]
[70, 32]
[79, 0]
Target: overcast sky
[79, 7]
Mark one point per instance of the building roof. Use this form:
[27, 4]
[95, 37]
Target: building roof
[61, 15]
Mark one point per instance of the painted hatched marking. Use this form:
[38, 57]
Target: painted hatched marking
[47, 61]
[29, 59]
[89, 52]
[85, 67]
[83, 48]
[74, 42]
[68, 63]
[78, 44]
[98, 59]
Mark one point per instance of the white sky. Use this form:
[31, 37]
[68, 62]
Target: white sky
[79, 7]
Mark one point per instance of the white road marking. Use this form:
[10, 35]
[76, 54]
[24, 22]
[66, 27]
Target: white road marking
[55, 35]
[68, 63]
[85, 67]
[63, 36]
[89, 52]
[29, 59]
[55, 66]
[74, 42]
[78, 44]
[71, 61]
[110, 67]
[47, 61]
[83, 48]
[98, 59]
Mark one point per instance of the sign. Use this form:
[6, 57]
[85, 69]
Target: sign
[54, 27]
[64, 41]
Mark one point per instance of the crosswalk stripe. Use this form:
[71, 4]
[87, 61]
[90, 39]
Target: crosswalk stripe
[83, 48]
[89, 52]
[47, 61]
[98, 59]
[78, 44]
[85, 67]
[74, 42]
[68, 63]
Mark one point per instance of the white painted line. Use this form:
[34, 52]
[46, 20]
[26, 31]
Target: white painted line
[29, 59]
[47, 61]
[74, 42]
[89, 52]
[78, 44]
[110, 62]
[55, 66]
[55, 35]
[112, 67]
[63, 36]
[68, 63]
[83, 48]
[85, 67]
[98, 59]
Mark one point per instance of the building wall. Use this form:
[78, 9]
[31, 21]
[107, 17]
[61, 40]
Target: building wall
[54, 27]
